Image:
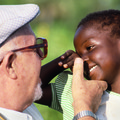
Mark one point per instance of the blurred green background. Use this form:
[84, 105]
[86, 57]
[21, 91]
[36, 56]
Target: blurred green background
[57, 22]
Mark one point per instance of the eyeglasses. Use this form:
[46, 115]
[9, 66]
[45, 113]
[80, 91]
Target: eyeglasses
[41, 47]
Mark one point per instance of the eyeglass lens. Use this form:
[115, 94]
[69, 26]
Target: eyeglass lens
[41, 50]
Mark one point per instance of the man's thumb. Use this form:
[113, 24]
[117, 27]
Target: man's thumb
[78, 69]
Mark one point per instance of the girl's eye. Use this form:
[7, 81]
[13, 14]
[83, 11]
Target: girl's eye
[90, 47]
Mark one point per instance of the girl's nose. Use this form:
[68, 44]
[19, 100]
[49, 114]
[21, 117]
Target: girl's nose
[85, 57]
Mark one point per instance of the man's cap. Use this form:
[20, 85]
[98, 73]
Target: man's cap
[12, 17]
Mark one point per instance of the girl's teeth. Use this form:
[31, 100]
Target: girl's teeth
[93, 68]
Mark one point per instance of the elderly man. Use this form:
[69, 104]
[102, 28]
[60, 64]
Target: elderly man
[20, 61]
[20, 64]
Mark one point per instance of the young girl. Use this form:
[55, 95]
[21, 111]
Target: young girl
[97, 42]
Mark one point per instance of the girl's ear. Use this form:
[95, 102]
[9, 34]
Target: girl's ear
[8, 65]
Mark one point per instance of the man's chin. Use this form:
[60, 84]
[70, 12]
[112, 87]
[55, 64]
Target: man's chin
[38, 92]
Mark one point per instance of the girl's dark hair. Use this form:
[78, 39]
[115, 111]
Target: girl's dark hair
[106, 20]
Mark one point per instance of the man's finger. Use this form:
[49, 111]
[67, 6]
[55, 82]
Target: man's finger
[78, 69]
[103, 85]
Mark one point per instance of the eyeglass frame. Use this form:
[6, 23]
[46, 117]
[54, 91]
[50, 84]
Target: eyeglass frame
[44, 44]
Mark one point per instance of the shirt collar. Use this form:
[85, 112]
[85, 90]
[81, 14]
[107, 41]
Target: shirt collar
[14, 115]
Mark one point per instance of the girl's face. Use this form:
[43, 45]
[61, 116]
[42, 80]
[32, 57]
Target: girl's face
[101, 55]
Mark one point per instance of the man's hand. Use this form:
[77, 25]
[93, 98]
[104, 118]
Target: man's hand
[86, 93]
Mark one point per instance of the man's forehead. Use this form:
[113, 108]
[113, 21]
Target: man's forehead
[24, 36]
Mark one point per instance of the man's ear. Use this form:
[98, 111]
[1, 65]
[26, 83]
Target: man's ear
[8, 65]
